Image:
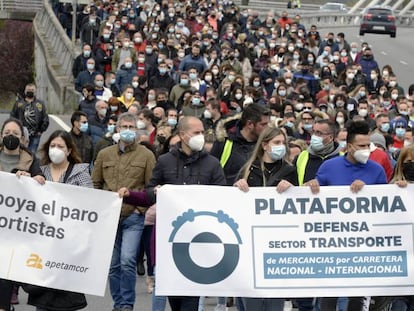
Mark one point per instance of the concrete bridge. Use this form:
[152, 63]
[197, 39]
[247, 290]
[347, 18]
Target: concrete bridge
[55, 52]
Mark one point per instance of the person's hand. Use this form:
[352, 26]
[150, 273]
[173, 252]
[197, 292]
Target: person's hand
[314, 185]
[22, 173]
[123, 192]
[283, 185]
[234, 105]
[401, 183]
[357, 185]
[156, 189]
[242, 185]
[40, 179]
[300, 128]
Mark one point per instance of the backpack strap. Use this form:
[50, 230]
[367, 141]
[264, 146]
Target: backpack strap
[286, 169]
[68, 171]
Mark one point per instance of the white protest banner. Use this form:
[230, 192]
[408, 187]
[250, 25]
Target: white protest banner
[56, 235]
[220, 241]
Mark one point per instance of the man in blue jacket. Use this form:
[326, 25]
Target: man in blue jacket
[353, 169]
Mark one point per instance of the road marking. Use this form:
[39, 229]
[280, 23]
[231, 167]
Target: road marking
[403, 62]
[60, 122]
[383, 53]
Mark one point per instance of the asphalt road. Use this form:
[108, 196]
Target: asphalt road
[396, 52]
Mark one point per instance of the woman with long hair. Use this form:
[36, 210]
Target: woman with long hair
[268, 166]
[61, 163]
[269, 163]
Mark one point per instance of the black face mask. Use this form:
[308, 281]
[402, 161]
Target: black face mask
[11, 142]
[29, 94]
[155, 120]
[408, 170]
[161, 139]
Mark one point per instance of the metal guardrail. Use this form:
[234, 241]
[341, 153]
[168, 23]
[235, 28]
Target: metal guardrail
[59, 53]
[21, 5]
[322, 20]
[264, 6]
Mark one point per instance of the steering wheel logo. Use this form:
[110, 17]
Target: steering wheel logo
[215, 240]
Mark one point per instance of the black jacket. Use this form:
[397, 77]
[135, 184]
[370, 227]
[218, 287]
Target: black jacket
[177, 168]
[33, 115]
[240, 153]
[280, 170]
[53, 299]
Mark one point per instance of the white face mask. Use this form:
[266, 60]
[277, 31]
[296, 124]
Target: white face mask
[141, 125]
[207, 114]
[362, 155]
[363, 112]
[56, 155]
[196, 143]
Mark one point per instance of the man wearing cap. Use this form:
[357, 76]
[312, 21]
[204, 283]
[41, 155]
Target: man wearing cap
[378, 154]
[399, 127]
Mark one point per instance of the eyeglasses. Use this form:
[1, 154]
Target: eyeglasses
[128, 127]
[307, 119]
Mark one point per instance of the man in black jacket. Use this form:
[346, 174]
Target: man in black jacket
[187, 164]
[234, 151]
[32, 112]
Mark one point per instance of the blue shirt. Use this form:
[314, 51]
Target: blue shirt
[339, 171]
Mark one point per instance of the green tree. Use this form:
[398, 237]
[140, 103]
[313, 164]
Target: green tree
[16, 59]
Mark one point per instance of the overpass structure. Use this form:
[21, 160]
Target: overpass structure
[55, 51]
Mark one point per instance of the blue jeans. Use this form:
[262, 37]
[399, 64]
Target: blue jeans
[404, 303]
[158, 302]
[34, 142]
[122, 275]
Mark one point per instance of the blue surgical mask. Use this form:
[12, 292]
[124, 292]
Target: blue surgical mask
[163, 71]
[128, 136]
[196, 101]
[342, 144]
[184, 81]
[400, 132]
[172, 122]
[84, 127]
[111, 128]
[278, 152]
[316, 142]
[289, 124]
[307, 126]
[385, 127]
[392, 150]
